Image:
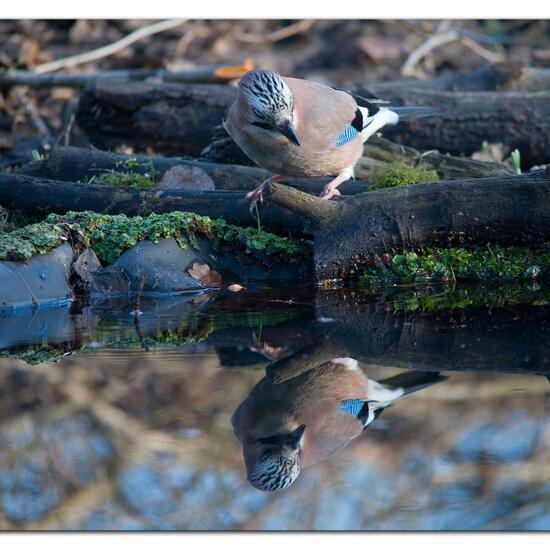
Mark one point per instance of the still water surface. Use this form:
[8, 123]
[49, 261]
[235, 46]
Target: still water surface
[170, 414]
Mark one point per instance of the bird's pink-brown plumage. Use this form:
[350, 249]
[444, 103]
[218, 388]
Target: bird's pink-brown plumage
[312, 399]
[321, 114]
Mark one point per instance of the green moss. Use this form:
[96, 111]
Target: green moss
[401, 172]
[491, 262]
[128, 173]
[37, 354]
[125, 179]
[28, 241]
[110, 235]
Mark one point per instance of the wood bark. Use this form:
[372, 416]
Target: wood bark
[180, 118]
[353, 233]
[79, 164]
[518, 120]
[171, 118]
[42, 195]
[206, 74]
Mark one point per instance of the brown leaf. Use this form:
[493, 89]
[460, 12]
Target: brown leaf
[235, 71]
[203, 273]
[490, 152]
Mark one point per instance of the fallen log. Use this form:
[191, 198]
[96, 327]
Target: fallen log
[353, 233]
[32, 194]
[174, 118]
[180, 119]
[497, 77]
[80, 164]
[518, 120]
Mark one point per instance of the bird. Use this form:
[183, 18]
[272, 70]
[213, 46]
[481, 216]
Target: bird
[299, 128]
[285, 427]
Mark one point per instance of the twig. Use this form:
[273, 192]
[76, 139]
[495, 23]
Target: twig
[490, 56]
[36, 119]
[207, 73]
[278, 35]
[433, 42]
[409, 68]
[110, 49]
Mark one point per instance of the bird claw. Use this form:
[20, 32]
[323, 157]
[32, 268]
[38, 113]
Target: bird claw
[255, 196]
[329, 192]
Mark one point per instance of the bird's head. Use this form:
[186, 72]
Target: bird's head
[269, 102]
[278, 461]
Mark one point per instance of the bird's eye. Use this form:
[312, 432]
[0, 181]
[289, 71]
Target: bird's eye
[264, 125]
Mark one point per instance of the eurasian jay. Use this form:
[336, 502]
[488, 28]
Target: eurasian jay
[299, 128]
[288, 426]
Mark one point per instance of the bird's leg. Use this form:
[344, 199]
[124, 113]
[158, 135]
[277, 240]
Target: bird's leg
[331, 188]
[256, 195]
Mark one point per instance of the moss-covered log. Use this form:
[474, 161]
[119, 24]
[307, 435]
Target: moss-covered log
[32, 194]
[353, 233]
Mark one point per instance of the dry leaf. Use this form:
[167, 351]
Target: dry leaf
[490, 152]
[235, 71]
[207, 276]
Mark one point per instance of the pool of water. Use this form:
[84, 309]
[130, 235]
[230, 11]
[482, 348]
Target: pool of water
[184, 412]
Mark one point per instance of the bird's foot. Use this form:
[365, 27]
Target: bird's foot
[329, 191]
[256, 196]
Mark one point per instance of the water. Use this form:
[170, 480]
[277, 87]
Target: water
[121, 415]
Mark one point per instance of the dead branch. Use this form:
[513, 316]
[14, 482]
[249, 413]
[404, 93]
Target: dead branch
[208, 74]
[278, 35]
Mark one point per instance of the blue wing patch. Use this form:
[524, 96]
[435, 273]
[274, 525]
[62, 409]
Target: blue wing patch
[345, 136]
[352, 406]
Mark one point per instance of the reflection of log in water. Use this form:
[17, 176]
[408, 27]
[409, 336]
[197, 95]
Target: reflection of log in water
[507, 339]
[513, 339]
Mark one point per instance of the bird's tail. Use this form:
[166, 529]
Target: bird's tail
[411, 113]
[413, 381]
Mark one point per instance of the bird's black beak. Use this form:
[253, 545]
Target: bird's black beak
[292, 440]
[288, 130]
[295, 438]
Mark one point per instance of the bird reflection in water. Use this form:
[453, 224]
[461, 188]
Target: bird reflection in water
[290, 422]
